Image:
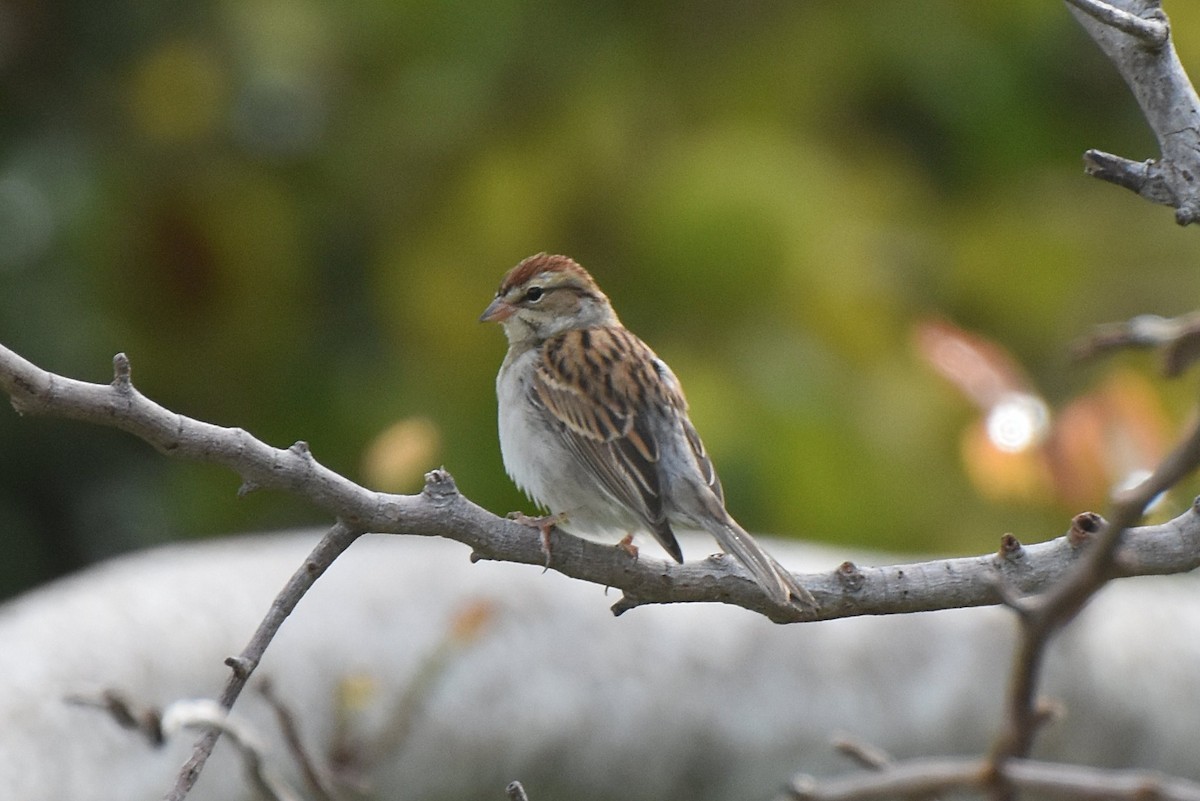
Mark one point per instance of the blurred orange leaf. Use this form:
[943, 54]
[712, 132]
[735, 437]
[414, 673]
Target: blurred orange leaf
[401, 454]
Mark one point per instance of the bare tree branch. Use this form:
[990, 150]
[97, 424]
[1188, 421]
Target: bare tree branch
[1041, 617]
[440, 511]
[1135, 35]
[925, 777]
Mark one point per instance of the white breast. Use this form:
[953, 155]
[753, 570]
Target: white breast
[542, 466]
[524, 444]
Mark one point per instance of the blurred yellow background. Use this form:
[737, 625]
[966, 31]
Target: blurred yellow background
[290, 215]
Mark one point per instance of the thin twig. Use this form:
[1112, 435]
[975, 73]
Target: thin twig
[1177, 338]
[146, 721]
[314, 777]
[1152, 32]
[210, 716]
[867, 755]
[337, 540]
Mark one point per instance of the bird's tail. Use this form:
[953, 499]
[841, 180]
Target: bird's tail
[774, 578]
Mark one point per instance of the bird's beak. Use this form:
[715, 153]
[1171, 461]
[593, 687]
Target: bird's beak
[497, 311]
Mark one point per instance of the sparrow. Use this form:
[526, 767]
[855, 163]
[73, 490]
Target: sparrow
[594, 426]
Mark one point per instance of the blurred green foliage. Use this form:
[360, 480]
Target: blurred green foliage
[289, 215]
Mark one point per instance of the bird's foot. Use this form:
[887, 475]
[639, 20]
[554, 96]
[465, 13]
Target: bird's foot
[543, 524]
[626, 545]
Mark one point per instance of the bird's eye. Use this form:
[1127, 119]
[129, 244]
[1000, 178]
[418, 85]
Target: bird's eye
[534, 294]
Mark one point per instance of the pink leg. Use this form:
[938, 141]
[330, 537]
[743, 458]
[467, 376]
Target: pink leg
[626, 545]
[543, 525]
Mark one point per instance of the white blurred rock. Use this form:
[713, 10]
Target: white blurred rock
[699, 702]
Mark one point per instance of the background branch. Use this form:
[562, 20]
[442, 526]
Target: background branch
[1042, 617]
[1135, 35]
[1176, 338]
[922, 778]
[319, 785]
[332, 545]
[208, 716]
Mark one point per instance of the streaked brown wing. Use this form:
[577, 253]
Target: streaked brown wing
[603, 388]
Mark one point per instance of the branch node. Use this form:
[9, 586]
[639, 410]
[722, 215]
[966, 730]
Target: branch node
[850, 576]
[301, 449]
[1023, 607]
[146, 721]
[248, 486]
[439, 485]
[1146, 178]
[122, 374]
[1010, 548]
[1048, 711]
[241, 666]
[516, 792]
[1184, 350]
[623, 605]
[1178, 338]
[1118, 170]
[1084, 526]
[1159, 26]
[801, 787]
[1187, 213]
[867, 755]
[1152, 30]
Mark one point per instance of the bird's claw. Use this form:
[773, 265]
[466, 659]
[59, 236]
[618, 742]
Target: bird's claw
[626, 545]
[543, 524]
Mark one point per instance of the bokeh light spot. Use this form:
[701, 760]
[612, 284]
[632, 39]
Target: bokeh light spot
[1017, 422]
